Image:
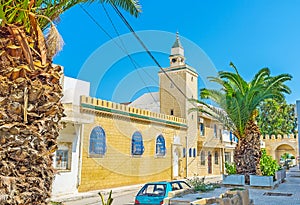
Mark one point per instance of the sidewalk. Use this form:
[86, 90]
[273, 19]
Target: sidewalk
[94, 194]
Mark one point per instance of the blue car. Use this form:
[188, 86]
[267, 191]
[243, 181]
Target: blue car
[154, 193]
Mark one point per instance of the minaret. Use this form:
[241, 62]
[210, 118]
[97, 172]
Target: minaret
[174, 100]
[177, 53]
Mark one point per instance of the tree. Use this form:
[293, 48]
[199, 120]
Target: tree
[30, 94]
[276, 117]
[238, 101]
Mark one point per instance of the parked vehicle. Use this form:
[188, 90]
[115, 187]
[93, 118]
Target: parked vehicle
[154, 193]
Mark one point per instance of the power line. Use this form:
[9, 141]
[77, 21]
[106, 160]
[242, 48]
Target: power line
[145, 47]
[140, 41]
[116, 30]
[134, 63]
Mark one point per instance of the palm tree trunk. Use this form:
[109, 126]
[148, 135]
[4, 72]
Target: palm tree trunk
[247, 152]
[30, 112]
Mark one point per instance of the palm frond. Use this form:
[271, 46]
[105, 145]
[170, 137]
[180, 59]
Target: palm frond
[133, 6]
[238, 100]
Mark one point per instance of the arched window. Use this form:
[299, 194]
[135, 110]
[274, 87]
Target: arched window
[97, 142]
[194, 152]
[216, 157]
[190, 152]
[160, 146]
[202, 158]
[183, 152]
[137, 146]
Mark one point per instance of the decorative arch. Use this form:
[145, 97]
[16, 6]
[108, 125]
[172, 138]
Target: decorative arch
[284, 148]
[137, 145]
[160, 148]
[97, 143]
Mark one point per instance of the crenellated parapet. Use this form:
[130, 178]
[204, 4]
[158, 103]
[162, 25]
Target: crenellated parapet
[278, 137]
[98, 105]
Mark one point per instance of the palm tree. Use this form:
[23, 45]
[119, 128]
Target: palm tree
[238, 101]
[30, 94]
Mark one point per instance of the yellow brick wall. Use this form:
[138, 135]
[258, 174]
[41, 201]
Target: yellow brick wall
[118, 167]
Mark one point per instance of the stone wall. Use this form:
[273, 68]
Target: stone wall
[276, 145]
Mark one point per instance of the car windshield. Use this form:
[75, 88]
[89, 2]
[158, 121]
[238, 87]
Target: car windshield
[153, 190]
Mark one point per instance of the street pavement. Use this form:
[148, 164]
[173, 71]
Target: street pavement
[290, 186]
[125, 195]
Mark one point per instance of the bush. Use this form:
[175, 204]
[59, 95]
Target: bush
[230, 168]
[268, 166]
[198, 184]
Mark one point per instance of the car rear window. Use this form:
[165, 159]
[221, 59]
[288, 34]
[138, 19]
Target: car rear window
[184, 185]
[179, 185]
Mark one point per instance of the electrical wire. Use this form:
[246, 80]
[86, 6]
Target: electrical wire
[139, 40]
[145, 47]
[134, 63]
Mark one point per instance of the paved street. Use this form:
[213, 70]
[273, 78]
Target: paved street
[291, 187]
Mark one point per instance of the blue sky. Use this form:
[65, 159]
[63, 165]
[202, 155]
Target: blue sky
[251, 34]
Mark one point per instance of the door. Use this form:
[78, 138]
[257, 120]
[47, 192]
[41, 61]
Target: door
[175, 161]
[209, 163]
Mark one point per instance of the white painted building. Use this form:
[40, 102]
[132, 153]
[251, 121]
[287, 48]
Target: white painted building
[148, 101]
[67, 157]
[229, 141]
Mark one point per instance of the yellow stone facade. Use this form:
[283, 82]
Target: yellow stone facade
[118, 167]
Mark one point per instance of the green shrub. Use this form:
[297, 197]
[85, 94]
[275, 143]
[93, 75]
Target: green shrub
[230, 168]
[268, 166]
[198, 184]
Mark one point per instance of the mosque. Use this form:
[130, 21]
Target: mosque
[107, 144]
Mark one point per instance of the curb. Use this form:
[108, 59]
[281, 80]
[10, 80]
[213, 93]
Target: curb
[93, 194]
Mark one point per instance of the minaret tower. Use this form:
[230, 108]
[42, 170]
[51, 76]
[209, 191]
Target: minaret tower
[174, 100]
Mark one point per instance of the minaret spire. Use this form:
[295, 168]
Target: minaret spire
[177, 42]
[177, 53]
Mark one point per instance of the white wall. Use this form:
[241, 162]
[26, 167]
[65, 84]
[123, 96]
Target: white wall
[66, 181]
[73, 89]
